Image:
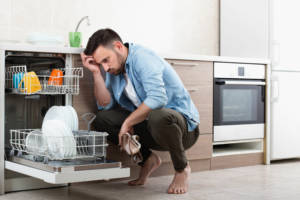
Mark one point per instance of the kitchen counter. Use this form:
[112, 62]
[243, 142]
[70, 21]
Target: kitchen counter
[40, 48]
[72, 50]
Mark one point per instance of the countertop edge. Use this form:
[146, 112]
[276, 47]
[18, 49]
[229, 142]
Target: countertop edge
[178, 56]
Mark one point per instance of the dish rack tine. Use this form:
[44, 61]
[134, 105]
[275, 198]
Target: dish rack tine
[86, 117]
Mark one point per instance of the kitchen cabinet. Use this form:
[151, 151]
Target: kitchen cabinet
[285, 107]
[197, 77]
[244, 28]
[284, 34]
[284, 44]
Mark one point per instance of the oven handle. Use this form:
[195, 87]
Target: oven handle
[243, 83]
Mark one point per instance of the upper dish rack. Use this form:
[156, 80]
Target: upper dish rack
[57, 81]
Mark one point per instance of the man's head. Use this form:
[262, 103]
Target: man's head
[107, 49]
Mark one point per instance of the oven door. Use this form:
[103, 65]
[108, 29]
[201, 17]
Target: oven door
[239, 109]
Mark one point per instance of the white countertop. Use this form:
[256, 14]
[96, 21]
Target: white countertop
[39, 48]
[215, 58]
[72, 50]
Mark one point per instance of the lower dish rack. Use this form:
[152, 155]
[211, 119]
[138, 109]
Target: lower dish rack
[33, 145]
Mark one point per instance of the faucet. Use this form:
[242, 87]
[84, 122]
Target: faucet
[83, 18]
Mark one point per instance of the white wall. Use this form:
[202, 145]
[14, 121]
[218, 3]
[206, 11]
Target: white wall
[168, 26]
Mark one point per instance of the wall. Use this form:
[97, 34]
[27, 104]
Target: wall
[169, 26]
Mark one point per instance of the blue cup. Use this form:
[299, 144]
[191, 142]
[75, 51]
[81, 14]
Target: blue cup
[17, 79]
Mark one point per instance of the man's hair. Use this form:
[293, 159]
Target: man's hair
[103, 37]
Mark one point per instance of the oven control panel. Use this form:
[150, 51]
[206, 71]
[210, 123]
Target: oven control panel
[239, 70]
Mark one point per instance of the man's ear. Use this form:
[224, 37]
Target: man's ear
[118, 44]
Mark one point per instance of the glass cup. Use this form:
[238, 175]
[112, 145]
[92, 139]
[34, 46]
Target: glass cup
[75, 39]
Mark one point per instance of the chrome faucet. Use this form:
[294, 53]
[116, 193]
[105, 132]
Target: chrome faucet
[85, 17]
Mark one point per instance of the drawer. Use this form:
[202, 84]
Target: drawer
[56, 173]
[203, 99]
[193, 72]
[202, 149]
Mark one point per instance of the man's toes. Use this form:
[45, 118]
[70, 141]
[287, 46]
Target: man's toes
[133, 182]
[170, 190]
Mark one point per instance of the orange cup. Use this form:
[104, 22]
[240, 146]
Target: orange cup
[56, 77]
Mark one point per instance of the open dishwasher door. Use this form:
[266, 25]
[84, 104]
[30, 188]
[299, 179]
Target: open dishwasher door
[60, 159]
[68, 172]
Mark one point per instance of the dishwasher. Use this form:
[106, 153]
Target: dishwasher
[31, 91]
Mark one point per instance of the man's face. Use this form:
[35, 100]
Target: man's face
[110, 58]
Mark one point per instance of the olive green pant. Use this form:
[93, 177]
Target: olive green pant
[164, 130]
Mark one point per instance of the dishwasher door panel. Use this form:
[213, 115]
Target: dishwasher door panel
[67, 172]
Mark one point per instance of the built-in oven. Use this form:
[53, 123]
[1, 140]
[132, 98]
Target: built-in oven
[239, 101]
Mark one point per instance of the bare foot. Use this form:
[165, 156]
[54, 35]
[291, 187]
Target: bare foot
[179, 184]
[152, 163]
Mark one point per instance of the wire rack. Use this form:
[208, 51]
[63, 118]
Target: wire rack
[82, 144]
[22, 82]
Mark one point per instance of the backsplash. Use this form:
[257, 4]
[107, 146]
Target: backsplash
[176, 26]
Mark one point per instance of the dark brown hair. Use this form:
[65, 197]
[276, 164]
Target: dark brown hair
[103, 37]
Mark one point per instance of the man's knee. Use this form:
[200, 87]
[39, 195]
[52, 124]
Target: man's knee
[101, 120]
[160, 118]
[162, 126]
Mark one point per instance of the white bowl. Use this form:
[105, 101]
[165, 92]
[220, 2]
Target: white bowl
[35, 143]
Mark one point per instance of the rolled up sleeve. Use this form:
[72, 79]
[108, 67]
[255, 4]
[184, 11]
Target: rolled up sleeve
[150, 71]
[112, 100]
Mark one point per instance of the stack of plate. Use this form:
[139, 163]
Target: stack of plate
[58, 124]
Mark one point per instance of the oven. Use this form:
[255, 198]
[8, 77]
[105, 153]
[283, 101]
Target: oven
[239, 101]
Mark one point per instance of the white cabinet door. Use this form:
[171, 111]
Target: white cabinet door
[285, 111]
[244, 28]
[285, 34]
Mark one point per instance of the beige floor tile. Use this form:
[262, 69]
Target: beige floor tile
[280, 180]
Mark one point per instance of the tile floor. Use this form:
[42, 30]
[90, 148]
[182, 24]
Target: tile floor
[280, 180]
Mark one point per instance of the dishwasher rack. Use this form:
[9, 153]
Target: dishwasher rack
[32, 144]
[19, 81]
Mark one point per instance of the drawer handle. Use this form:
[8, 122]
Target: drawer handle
[193, 90]
[184, 64]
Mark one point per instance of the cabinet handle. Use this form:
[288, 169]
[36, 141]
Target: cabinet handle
[191, 90]
[184, 64]
[274, 89]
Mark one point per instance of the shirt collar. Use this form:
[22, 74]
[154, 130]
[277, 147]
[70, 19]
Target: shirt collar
[129, 56]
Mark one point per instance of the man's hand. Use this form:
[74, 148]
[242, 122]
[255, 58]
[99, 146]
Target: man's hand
[89, 62]
[124, 129]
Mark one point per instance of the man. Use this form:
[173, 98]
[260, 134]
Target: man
[142, 94]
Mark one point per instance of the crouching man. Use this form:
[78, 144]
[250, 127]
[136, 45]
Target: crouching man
[142, 94]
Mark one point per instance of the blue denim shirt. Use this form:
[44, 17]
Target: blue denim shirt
[156, 84]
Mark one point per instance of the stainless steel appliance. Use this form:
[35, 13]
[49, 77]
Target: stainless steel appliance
[23, 104]
[239, 101]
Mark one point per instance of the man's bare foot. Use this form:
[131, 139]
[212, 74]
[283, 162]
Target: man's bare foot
[179, 184]
[152, 163]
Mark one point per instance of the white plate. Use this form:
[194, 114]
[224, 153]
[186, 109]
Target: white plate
[74, 117]
[51, 114]
[54, 137]
[61, 141]
[60, 113]
[69, 142]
